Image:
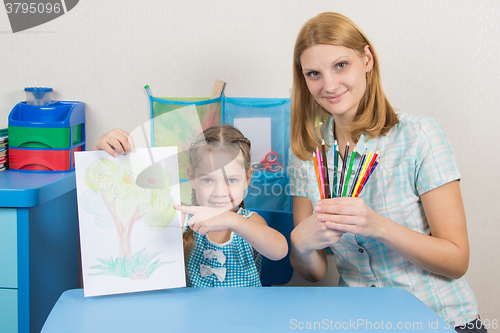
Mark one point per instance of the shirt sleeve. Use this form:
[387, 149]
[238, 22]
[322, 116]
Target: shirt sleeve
[298, 176]
[436, 164]
[185, 225]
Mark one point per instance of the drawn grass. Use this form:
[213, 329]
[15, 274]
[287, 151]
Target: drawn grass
[137, 267]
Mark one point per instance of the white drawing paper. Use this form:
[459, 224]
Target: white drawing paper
[179, 128]
[130, 235]
[258, 131]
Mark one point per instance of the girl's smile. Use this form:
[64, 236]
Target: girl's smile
[222, 188]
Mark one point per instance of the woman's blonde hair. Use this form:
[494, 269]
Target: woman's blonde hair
[375, 115]
[215, 140]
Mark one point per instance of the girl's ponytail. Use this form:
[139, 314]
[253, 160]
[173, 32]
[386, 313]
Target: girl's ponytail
[187, 236]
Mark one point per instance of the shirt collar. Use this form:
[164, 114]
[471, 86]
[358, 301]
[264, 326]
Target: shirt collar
[362, 142]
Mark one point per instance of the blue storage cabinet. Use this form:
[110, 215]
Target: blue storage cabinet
[39, 246]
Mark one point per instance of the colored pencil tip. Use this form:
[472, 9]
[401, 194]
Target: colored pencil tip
[322, 142]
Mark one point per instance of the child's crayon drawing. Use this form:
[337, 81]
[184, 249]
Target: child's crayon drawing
[130, 234]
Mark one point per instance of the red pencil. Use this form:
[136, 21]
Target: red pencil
[371, 171]
[367, 172]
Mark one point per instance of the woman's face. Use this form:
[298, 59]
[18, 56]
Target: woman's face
[336, 77]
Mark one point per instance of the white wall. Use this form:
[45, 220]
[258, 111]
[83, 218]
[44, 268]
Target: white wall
[438, 58]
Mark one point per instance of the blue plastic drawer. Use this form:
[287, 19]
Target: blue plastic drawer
[8, 248]
[55, 114]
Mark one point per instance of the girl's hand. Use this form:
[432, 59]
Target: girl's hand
[349, 215]
[206, 219]
[312, 234]
[115, 142]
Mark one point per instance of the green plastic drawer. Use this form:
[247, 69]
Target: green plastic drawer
[38, 137]
[77, 134]
[8, 311]
[8, 248]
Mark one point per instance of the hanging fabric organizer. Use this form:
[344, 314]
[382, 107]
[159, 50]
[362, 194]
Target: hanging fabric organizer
[264, 121]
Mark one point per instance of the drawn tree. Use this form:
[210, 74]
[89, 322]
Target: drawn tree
[120, 198]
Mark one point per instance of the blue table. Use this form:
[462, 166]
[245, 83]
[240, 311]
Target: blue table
[268, 309]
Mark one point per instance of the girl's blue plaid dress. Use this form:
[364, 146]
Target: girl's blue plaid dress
[231, 264]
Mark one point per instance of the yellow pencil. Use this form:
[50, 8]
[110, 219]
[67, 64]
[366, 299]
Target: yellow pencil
[365, 166]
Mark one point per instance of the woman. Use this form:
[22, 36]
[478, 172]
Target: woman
[407, 228]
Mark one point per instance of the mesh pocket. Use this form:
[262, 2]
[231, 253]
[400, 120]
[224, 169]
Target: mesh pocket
[266, 123]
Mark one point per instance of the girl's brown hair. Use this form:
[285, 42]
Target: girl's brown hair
[215, 139]
[375, 115]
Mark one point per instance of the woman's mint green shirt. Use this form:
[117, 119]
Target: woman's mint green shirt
[415, 157]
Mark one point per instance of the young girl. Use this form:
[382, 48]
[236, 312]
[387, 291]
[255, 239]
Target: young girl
[407, 229]
[223, 241]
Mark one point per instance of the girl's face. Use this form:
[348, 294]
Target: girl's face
[211, 187]
[336, 77]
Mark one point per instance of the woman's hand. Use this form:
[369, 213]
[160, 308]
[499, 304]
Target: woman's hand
[207, 219]
[309, 239]
[445, 251]
[312, 234]
[115, 142]
[349, 215]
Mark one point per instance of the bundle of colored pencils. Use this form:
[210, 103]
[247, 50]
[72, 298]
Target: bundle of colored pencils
[364, 170]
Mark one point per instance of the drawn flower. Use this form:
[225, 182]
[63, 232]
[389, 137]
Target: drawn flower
[139, 275]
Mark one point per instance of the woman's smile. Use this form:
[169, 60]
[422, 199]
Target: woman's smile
[336, 98]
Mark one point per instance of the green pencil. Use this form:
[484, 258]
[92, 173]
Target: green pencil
[344, 167]
[335, 168]
[353, 155]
